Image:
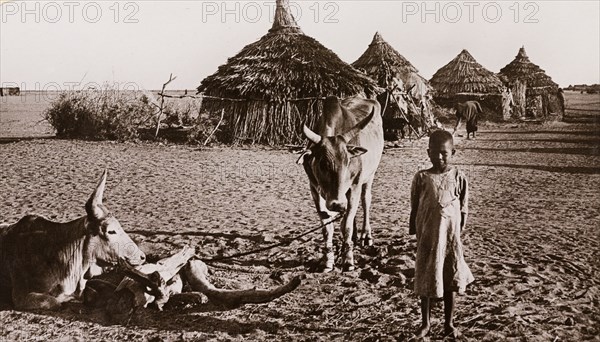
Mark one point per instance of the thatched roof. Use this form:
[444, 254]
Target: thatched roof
[382, 62]
[285, 64]
[521, 68]
[275, 85]
[463, 75]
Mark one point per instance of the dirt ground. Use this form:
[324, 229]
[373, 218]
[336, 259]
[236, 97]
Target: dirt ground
[532, 240]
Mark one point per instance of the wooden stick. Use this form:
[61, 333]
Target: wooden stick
[217, 127]
[162, 102]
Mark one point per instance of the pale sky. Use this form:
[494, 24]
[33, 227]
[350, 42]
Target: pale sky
[137, 44]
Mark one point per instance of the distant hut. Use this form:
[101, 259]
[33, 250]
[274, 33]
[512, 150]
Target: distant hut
[10, 91]
[535, 94]
[402, 80]
[464, 79]
[278, 83]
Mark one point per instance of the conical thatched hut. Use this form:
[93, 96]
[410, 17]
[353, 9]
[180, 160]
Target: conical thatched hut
[535, 94]
[276, 84]
[382, 62]
[464, 79]
[385, 65]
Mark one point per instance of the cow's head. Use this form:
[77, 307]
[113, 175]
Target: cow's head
[108, 240]
[328, 159]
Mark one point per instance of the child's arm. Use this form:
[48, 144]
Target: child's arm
[464, 201]
[412, 225]
[414, 206]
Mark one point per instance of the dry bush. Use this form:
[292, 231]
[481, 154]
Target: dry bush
[110, 114]
[99, 114]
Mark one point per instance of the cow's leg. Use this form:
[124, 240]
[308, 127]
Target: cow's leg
[325, 215]
[347, 228]
[366, 237]
[25, 299]
[34, 301]
[355, 237]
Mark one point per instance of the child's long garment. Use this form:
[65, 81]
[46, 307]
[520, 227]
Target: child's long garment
[440, 264]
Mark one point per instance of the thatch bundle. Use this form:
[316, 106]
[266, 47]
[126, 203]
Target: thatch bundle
[382, 62]
[277, 84]
[463, 75]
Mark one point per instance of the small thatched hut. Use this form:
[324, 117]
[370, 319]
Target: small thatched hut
[464, 79]
[535, 94]
[278, 83]
[8, 91]
[388, 67]
[382, 62]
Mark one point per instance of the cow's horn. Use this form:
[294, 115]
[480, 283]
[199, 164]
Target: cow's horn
[312, 136]
[93, 204]
[347, 136]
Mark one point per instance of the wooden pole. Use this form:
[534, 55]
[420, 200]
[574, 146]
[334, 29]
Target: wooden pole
[216, 127]
[162, 103]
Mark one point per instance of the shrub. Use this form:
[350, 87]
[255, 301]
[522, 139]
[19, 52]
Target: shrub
[100, 114]
[204, 125]
[181, 112]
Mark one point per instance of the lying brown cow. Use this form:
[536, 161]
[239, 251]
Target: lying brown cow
[45, 263]
[121, 292]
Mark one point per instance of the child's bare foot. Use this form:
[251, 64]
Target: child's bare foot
[422, 331]
[451, 333]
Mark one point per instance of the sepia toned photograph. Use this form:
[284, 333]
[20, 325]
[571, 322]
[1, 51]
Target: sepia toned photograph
[299, 170]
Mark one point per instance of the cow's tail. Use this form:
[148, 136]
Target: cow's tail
[478, 107]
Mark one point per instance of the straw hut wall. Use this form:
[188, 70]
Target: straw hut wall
[535, 94]
[384, 64]
[464, 79]
[275, 85]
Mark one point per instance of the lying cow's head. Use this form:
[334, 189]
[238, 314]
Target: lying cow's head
[108, 241]
[328, 160]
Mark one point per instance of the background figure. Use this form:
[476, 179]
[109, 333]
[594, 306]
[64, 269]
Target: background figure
[561, 100]
[507, 103]
[469, 112]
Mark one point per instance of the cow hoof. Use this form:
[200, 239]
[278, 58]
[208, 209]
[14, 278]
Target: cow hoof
[327, 269]
[327, 266]
[348, 268]
[367, 242]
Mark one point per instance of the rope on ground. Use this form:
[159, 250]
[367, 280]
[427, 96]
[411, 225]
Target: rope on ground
[282, 243]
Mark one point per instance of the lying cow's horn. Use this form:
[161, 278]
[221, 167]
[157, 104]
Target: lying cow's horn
[312, 136]
[347, 136]
[93, 204]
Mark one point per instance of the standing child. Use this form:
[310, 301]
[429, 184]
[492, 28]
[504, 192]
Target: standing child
[439, 206]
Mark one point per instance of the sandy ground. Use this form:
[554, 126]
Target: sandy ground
[532, 240]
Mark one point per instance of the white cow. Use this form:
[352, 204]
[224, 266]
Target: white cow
[45, 263]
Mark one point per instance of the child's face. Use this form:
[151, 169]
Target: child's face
[441, 155]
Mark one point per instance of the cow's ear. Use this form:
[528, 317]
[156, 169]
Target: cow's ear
[304, 155]
[356, 151]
